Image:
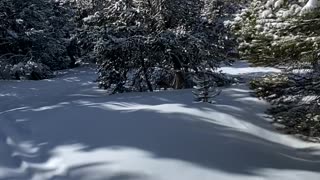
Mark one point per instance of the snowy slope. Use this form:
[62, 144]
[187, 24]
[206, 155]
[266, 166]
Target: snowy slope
[67, 129]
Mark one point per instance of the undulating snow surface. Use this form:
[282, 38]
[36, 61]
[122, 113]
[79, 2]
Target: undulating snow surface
[66, 129]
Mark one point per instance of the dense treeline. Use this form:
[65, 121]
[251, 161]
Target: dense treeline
[138, 45]
[34, 36]
[143, 45]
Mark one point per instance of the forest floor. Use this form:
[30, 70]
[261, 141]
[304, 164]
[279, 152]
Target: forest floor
[67, 129]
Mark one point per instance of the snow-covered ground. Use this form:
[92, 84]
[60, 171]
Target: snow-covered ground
[67, 129]
[245, 72]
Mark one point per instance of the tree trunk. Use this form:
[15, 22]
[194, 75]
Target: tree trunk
[71, 52]
[178, 77]
[147, 80]
[145, 73]
[179, 80]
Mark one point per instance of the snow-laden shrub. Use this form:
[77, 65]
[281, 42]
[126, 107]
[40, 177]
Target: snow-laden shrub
[30, 71]
[205, 88]
[5, 70]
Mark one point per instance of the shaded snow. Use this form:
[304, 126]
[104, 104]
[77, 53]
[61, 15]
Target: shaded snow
[67, 129]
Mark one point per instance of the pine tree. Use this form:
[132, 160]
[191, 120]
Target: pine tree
[206, 88]
[132, 40]
[279, 32]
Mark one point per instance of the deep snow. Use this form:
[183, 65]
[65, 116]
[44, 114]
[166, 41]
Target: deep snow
[67, 129]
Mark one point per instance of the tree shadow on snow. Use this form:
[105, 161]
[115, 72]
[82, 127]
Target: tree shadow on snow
[228, 136]
[85, 135]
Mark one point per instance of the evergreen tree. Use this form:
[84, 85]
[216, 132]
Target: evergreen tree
[279, 32]
[206, 88]
[134, 40]
[33, 38]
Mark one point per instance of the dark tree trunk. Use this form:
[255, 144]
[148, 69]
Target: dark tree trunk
[145, 73]
[35, 76]
[179, 80]
[73, 61]
[72, 51]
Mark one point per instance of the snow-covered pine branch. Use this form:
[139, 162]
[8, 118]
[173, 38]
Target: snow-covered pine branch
[278, 33]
